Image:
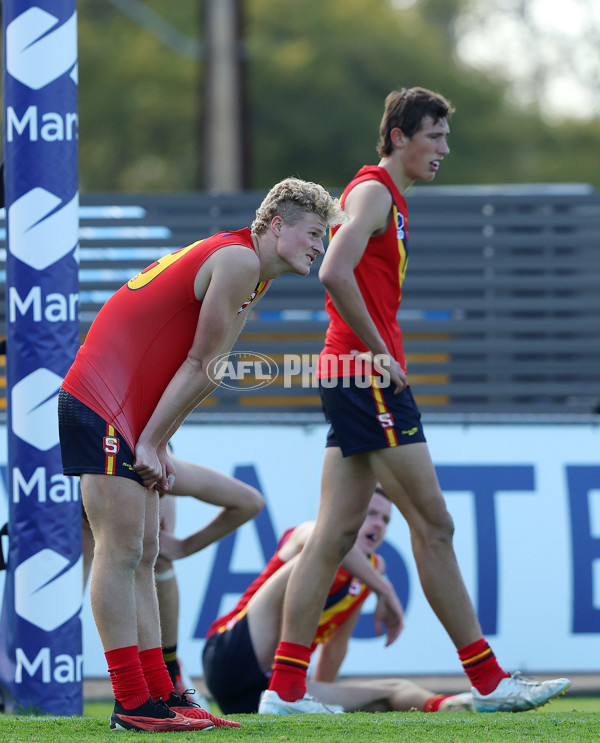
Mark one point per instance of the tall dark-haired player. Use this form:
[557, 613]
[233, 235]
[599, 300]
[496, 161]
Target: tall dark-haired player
[376, 432]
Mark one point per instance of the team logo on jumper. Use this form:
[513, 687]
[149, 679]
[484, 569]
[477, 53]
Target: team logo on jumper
[42, 228]
[400, 232]
[33, 402]
[243, 371]
[355, 587]
[111, 445]
[48, 594]
[250, 299]
[38, 50]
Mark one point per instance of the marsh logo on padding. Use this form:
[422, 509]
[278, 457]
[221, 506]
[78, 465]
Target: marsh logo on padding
[42, 228]
[34, 403]
[48, 594]
[39, 50]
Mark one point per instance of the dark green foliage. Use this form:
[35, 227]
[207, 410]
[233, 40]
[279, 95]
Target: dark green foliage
[317, 75]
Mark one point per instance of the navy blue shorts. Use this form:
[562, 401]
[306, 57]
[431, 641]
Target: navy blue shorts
[231, 671]
[88, 444]
[368, 418]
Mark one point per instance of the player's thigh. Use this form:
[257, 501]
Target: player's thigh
[87, 548]
[116, 507]
[151, 526]
[408, 477]
[167, 513]
[167, 510]
[347, 484]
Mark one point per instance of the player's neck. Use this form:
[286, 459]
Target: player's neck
[271, 265]
[392, 164]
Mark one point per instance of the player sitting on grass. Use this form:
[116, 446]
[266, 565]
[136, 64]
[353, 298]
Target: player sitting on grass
[241, 645]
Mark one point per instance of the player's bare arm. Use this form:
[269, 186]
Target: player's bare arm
[238, 504]
[389, 614]
[369, 204]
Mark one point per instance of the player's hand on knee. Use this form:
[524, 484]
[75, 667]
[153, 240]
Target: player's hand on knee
[148, 466]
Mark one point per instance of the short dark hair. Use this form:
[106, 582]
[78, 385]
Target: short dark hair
[380, 491]
[405, 109]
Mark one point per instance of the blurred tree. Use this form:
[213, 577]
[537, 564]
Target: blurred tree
[543, 52]
[138, 101]
[318, 75]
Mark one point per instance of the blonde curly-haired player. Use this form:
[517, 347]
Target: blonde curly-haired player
[144, 366]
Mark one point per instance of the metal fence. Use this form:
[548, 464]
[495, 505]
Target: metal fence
[501, 309]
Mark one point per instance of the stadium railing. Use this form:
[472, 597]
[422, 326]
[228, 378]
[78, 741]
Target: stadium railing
[501, 308]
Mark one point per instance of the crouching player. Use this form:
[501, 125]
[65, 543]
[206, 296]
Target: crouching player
[148, 360]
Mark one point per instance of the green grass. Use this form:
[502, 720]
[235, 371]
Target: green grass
[571, 719]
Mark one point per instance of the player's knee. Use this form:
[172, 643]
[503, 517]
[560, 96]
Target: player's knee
[127, 552]
[149, 553]
[441, 527]
[434, 527]
[405, 695]
[255, 501]
[347, 541]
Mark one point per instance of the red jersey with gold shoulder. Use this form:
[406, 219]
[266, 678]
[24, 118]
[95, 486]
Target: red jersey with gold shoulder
[123, 368]
[380, 275]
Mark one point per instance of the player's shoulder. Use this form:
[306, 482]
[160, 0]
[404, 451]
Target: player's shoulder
[244, 253]
[368, 188]
[299, 534]
[368, 196]
[235, 268]
[236, 261]
[303, 530]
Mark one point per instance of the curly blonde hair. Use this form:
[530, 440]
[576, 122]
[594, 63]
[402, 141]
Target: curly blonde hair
[291, 199]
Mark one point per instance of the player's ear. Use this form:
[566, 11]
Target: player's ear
[276, 225]
[397, 136]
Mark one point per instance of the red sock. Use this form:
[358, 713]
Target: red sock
[156, 674]
[433, 703]
[481, 666]
[289, 671]
[126, 676]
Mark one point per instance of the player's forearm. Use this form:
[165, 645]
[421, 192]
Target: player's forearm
[328, 664]
[359, 565]
[348, 300]
[190, 385]
[228, 520]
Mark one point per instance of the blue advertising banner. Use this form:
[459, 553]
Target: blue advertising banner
[40, 630]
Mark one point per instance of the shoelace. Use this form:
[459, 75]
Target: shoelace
[186, 701]
[520, 676]
[218, 721]
[162, 709]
